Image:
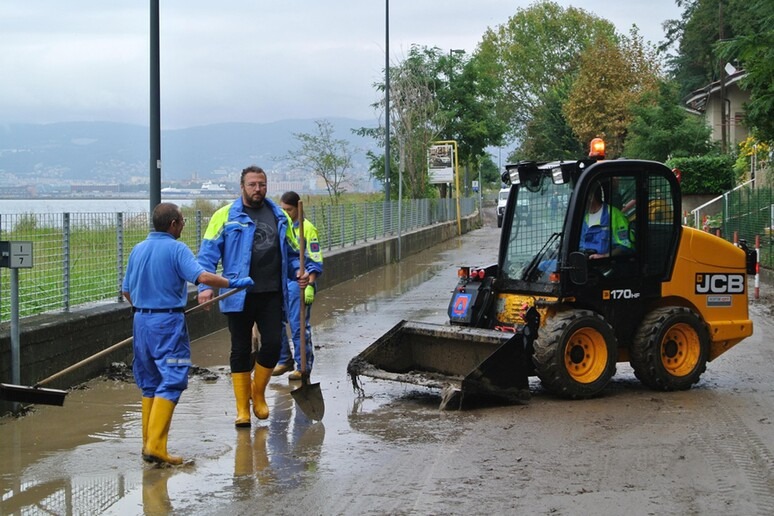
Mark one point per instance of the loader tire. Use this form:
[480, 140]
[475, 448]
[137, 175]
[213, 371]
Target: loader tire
[575, 354]
[670, 349]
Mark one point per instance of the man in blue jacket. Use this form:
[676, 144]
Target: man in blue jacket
[156, 284]
[253, 237]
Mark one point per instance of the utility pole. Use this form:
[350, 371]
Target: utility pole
[387, 101]
[723, 117]
[154, 159]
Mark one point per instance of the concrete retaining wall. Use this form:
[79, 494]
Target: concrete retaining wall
[53, 342]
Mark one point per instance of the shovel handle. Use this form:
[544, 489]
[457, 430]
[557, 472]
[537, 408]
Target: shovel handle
[126, 341]
[302, 309]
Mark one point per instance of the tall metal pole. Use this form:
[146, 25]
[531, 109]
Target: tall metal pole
[154, 160]
[387, 101]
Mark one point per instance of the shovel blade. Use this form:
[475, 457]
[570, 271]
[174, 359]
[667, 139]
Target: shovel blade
[35, 395]
[310, 400]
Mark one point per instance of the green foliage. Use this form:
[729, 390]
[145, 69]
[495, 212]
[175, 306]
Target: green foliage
[26, 222]
[548, 136]
[752, 153]
[702, 24]
[705, 174]
[614, 75]
[534, 48]
[469, 105]
[206, 206]
[699, 28]
[490, 172]
[661, 129]
[754, 49]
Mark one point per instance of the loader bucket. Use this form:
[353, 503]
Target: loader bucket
[459, 360]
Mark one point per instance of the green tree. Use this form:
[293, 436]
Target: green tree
[548, 136]
[490, 172]
[324, 155]
[755, 52]
[415, 116]
[531, 51]
[661, 129]
[614, 75]
[702, 25]
[468, 101]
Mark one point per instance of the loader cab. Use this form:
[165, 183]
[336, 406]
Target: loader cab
[620, 216]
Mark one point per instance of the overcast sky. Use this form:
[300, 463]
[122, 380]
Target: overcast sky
[238, 60]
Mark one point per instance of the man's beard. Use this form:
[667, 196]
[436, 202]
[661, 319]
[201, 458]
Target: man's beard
[253, 203]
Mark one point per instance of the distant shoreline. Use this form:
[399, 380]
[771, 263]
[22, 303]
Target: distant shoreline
[216, 197]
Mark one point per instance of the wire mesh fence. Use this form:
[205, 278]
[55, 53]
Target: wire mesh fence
[80, 258]
[744, 213]
[69, 496]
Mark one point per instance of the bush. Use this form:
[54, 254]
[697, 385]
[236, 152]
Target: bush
[711, 175]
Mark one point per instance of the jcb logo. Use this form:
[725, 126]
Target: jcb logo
[720, 283]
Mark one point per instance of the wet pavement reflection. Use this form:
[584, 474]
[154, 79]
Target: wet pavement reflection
[84, 458]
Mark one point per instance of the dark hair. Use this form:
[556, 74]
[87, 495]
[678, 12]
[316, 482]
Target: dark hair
[163, 215]
[252, 169]
[290, 198]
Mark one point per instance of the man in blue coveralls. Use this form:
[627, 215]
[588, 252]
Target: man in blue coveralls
[157, 276]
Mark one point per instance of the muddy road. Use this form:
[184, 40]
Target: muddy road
[634, 451]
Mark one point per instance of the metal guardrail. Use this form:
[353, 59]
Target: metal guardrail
[80, 258]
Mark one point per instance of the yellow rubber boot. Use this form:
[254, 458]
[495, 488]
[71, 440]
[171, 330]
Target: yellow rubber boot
[147, 404]
[158, 432]
[261, 377]
[242, 394]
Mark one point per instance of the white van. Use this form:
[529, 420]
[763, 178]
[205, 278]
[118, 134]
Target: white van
[502, 200]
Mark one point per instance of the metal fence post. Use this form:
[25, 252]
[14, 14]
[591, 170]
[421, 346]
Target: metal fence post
[376, 218]
[354, 224]
[66, 261]
[1, 276]
[198, 240]
[330, 227]
[120, 253]
[342, 216]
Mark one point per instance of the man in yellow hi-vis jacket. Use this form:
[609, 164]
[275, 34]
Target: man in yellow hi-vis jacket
[299, 298]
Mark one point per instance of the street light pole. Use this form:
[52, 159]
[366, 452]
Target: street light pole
[154, 165]
[387, 101]
[453, 51]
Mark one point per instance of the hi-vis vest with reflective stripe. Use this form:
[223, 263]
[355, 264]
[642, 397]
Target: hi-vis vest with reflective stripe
[597, 238]
[313, 249]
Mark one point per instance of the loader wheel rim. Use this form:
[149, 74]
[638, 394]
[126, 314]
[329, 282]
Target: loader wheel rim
[585, 355]
[680, 350]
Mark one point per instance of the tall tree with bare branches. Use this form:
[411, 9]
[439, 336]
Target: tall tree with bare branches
[326, 156]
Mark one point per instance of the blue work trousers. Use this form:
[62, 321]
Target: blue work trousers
[295, 302]
[162, 354]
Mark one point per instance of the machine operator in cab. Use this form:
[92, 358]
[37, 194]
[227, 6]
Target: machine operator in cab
[604, 225]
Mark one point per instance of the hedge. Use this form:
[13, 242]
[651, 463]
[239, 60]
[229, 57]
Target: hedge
[705, 174]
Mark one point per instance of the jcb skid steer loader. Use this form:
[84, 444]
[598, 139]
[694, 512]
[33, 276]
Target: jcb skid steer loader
[576, 291]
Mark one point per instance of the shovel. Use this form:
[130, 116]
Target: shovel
[37, 394]
[309, 396]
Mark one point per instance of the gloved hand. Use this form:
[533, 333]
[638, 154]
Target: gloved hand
[309, 295]
[241, 282]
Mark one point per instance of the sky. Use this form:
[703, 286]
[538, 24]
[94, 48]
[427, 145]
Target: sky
[239, 60]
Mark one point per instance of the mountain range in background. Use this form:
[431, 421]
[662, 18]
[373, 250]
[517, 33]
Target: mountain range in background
[107, 152]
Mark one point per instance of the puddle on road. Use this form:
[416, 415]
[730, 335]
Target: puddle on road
[84, 458]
